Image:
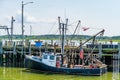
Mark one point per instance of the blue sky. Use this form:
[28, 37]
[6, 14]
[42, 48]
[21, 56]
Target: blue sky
[42, 16]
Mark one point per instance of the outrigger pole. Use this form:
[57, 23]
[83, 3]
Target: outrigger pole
[93, 37]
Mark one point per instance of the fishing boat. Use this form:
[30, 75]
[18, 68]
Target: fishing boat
[52, 63]
[58, 62]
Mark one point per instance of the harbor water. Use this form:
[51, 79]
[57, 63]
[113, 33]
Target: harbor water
[16, 73]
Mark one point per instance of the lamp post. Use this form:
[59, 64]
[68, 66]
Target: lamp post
[22, 21]
[23, 4]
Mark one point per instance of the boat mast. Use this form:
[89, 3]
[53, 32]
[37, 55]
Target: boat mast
[59, 25]
[62, 30]
[66, 26]
[63, 38]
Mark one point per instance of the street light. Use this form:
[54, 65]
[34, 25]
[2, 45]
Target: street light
[23, 4]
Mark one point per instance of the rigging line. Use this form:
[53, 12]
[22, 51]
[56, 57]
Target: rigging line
[89, 54]
[65, 13]
[71, 29]
[52, 27]
[69, 32]
[72, 23]
[56, 31]
[75, 30]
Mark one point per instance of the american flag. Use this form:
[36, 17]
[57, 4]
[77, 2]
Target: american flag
[85, 28]
[81, 53]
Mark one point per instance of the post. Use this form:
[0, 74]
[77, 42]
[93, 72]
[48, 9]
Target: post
[119, 50]
[12, 20]
[1, 57]
[118, 55]
[52, 42]
[46, 45]
[116, 66]
[30, 48]
[22, 29]
[14, 52]
[100, 50]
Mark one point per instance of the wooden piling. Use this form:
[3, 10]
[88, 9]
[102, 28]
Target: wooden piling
[1, 51]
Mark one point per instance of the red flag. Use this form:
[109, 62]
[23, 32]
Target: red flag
[81, 53]
[84, 28]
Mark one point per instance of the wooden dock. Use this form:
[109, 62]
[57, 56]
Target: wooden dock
[15, 54]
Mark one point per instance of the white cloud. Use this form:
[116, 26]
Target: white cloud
[27, 17]
[31, 19]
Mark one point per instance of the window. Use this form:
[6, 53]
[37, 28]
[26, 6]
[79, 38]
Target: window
[52, 57]
[45, 56]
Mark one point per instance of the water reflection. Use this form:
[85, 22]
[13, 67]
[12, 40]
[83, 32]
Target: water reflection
[4, 72]
[15, 73]
[115, 75]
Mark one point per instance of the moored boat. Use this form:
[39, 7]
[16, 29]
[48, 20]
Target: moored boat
[53, 62]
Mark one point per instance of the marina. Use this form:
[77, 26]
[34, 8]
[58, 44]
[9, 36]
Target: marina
[79, 51]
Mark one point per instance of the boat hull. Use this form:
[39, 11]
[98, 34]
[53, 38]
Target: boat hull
[38, 65]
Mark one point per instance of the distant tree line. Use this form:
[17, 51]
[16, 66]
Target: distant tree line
[52, 36]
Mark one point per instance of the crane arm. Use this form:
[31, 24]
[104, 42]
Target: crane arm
[101, 32]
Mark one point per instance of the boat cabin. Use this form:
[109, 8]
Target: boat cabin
[51, 59]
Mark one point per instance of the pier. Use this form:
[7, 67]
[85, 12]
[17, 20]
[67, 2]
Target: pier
[11, 53]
